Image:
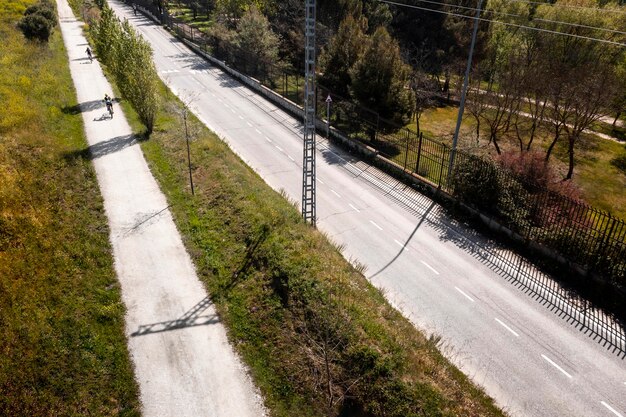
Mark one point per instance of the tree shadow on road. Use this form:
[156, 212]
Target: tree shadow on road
[86, 106]
[106, 147]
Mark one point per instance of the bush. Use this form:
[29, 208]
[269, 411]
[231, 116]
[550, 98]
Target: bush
[44, 9]
[35, 27]
[535, 175]
[38, 21]
[475, 182]
[491, 190]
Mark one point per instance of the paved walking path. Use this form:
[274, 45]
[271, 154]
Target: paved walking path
[183, 362]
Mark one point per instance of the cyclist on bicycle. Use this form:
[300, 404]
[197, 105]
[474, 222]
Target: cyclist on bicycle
[89, 54]
[109, 104]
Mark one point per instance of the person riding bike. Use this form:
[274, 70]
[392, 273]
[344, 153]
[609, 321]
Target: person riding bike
[109, 104]
[89, 54]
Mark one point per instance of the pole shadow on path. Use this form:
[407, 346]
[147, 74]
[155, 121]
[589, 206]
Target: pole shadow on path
[192, 318]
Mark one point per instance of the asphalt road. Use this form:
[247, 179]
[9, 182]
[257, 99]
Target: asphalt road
[525, 356]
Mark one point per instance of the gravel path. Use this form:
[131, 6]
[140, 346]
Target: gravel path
[183, 362]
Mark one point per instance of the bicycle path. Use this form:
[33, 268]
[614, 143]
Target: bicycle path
[183, 362]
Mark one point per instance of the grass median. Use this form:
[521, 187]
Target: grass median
[62, 345]
[318, 339]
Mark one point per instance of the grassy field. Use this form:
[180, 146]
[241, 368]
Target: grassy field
[62, 346]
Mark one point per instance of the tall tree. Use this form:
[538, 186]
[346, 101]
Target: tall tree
[257, 43]
[380, 79]
[344, 50]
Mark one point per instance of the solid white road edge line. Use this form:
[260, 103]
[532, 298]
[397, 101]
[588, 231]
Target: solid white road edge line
[555, 365]
[431, 268]
[466, 296]
[611, 409]
[507, 327]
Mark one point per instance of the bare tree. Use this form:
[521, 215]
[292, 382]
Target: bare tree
[589, 105]
[425, 89]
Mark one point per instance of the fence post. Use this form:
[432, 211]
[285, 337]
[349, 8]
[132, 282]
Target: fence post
[377, 125]
[406, 152]
[443, 162]
[605, 241]
[419, 154]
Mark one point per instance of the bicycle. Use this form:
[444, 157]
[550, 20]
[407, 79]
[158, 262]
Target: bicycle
[109, 104]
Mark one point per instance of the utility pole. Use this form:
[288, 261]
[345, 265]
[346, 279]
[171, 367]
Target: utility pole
[459, 119]
[329, 100]
[188, 151]
[308, 158]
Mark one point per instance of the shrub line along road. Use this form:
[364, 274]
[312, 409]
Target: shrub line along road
[182, 360]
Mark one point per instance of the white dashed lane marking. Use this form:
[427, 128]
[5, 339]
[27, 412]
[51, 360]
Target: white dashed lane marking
[611, 409]
[377, 226]
[551, 362]
[465, 295]
[403, 247]
[430, 267]
[507, 327]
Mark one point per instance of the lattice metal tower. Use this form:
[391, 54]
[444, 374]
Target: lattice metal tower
[308, 162]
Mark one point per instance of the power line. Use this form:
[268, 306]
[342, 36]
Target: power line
[524, 17]
[556, 32]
